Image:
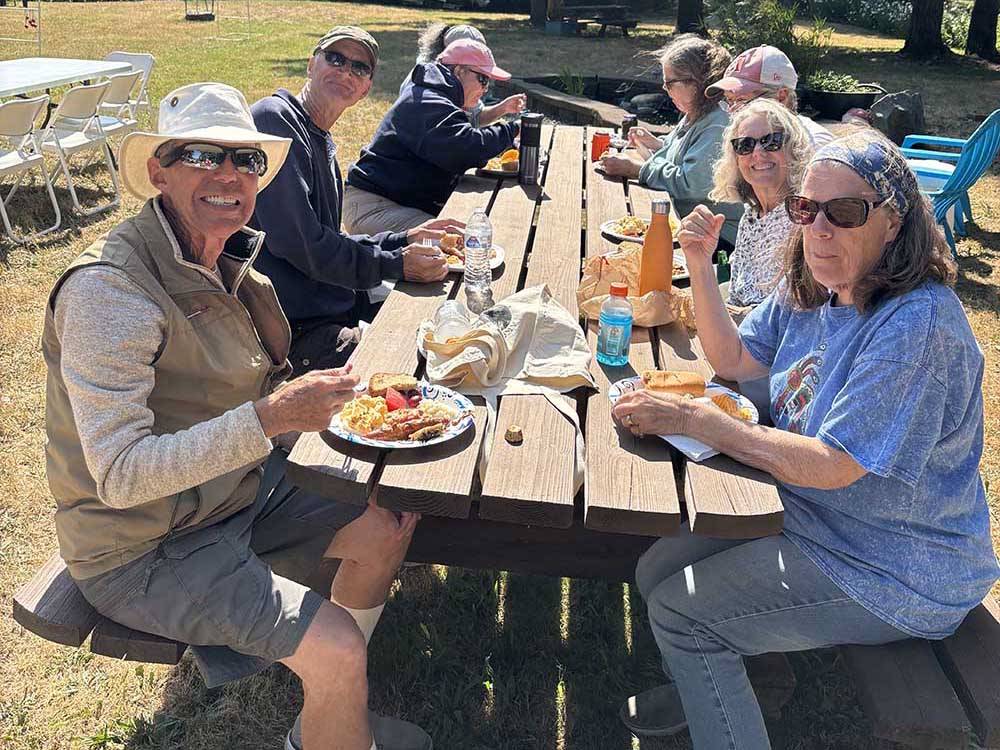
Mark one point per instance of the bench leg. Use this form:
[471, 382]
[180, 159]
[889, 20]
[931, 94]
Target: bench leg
[604, 27]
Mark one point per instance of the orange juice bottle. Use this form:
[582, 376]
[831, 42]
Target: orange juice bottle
[657, 269]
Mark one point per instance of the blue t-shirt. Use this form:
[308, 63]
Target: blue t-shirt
[900, 390]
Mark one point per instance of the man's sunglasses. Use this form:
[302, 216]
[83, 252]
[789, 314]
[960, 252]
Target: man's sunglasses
[770, 142]
[359, 69]
[246, 159]
[484, 80]
[846, 213]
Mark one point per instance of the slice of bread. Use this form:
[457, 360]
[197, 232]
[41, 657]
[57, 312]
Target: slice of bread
[679, 382]
[378, 383]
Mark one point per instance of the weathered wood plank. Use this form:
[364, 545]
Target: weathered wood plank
[725, 498]
[631, 485]
[971, 660]
[907, 696]
[119, 642]
[574, 552]
[512, 215]
[605, 200]
[50, 605]
[437, 479]
[322, 463]
[534, 482]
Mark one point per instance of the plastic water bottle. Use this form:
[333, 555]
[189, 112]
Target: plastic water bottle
[478, 276]
[615, 332]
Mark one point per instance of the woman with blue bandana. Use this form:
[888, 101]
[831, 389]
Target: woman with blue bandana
[875, 384]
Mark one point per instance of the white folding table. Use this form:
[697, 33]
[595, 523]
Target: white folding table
[28, 74]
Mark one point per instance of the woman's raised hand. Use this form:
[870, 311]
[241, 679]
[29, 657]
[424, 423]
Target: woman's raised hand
[699, 235]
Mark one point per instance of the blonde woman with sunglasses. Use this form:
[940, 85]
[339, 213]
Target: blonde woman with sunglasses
[876, 396]
[764, 153]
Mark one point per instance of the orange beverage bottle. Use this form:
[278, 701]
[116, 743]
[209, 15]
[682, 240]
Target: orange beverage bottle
[656, 272]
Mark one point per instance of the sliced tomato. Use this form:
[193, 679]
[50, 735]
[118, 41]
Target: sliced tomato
[394, 399]
[413, 399]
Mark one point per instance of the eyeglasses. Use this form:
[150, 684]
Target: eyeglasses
[667, 85]
[484, 80]
[770, 142]
[359, 68]
[735, 106]
[846, 213]
[246, 159]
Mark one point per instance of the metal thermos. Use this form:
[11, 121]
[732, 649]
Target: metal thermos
[628, 122]
[530, 148]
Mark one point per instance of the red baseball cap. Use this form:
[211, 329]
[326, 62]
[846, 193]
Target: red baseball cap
[475, 55]
[763, 66]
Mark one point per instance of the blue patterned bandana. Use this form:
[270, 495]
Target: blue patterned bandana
[877, 160]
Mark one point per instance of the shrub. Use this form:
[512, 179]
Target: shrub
[892, 17]
[826, 80]
[743, 24]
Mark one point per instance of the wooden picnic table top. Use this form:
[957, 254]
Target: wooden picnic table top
[633, 486]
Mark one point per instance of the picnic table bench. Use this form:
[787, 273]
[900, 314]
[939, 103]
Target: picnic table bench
[579, 15]
[521, 510]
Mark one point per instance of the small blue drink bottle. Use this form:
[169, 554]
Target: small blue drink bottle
[615, 332]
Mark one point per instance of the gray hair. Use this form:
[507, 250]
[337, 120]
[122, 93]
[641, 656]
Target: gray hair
[701, 60]
[729, 185]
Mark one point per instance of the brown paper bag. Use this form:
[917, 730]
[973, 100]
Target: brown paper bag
[622, 266]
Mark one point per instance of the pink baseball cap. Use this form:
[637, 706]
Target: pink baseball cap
[759, 66]
[475, 55]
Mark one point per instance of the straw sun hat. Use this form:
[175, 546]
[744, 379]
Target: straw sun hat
[204, 112]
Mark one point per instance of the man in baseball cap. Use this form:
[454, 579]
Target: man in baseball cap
[764, 71]
[319, 272]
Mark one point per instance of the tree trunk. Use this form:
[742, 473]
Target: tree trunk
[539, 12]
[691, 17]
[923, 38]
[982, 39]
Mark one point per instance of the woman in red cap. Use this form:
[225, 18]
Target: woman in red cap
[426, 142]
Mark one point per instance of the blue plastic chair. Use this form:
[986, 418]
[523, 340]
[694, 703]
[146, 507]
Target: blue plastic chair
[975, 155]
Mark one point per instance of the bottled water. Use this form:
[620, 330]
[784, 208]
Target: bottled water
[478, 244]
[615, 332]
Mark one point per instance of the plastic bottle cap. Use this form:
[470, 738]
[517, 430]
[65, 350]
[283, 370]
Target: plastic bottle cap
[619, 290]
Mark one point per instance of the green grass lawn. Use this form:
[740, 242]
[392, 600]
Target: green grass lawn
[479, 658]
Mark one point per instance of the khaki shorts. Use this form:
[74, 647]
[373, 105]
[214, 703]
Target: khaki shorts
[233, 590]
[368, 213]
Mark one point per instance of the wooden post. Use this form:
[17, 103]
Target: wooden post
[539, 11]
[555, 10]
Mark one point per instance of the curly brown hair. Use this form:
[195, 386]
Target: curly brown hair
[918, 254]
[701, 60]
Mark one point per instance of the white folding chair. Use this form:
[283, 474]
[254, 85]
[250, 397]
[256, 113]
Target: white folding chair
[75, 127]
[117, 103]
[17, 127]
[139, 61]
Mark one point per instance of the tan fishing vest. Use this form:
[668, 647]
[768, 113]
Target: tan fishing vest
[221, 349]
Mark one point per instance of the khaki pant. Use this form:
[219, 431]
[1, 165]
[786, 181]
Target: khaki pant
[367, 213]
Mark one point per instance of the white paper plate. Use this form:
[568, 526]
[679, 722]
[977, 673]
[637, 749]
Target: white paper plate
[495, 262]
[693, 449]
[484, 172]
[608, 231]
[428, 392]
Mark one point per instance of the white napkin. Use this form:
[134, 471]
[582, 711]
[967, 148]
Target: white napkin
[693, 449]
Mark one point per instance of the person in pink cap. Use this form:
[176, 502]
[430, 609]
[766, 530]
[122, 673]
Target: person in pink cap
[426, 142]
[764, 71]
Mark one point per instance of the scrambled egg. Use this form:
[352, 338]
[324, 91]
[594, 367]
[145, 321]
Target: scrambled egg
[364, 414]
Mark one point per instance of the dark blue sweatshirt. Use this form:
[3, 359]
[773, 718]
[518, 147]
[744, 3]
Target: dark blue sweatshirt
[314, 267]
[425, 143]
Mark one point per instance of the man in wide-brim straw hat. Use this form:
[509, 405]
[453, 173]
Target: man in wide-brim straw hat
[165, 351]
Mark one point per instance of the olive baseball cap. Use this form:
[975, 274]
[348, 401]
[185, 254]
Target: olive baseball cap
[353, 33]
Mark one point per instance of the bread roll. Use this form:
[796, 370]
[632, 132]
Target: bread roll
[674, 381]
[380, 381]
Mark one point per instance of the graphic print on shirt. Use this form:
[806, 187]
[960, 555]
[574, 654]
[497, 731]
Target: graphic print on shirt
[800, 388]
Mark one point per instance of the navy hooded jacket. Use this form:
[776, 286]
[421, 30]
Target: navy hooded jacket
[425, 143]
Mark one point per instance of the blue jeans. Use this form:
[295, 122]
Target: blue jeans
[713, 601]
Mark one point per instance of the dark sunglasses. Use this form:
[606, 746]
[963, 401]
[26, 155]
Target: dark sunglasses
[246, 159]
[484, 80]
[359, 68]
[770, 142]
[846, 213]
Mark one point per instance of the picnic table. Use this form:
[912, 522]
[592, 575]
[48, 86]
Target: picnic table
[524, 513]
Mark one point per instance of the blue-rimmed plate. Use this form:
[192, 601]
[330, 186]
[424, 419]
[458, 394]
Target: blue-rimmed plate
[428, 392]
[693, 449]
